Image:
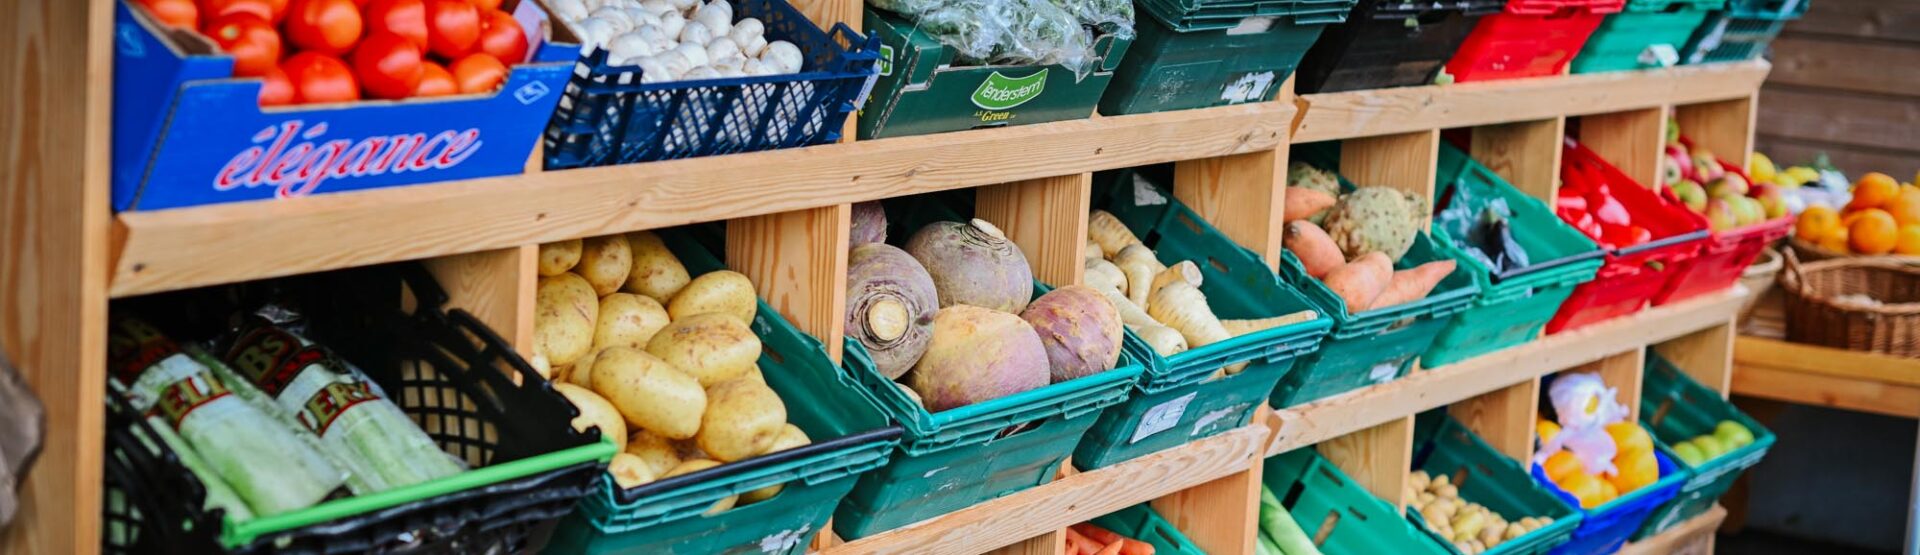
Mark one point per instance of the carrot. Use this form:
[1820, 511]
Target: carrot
[1413, 284]
[1303, 203]
[1081, 542]
[1130, 546]
[1361, 281]
[1094, 532]
[1314, 248]
[1112, 548]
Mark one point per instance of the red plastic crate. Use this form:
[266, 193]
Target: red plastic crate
[1724, 256]
[1633, 275]
[1515, 45]
[1543, 7]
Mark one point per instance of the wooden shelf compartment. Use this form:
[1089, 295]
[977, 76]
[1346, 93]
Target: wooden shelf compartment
[1824, 376]
[1693, 537]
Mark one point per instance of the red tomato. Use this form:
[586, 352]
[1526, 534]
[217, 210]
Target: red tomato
[407, 18]
[278, 90]
[319, 78]
[216, 9]
[388, 65]
[279, 10]
[485, 5]
[324, 26]
[479, 72]
[453, 28]
[500, 35]
[174, 13]
[252, 42]
[435, 80]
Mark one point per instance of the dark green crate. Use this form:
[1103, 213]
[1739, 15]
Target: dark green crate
[1140, 522]
[923, 89]
[1319, 495]
[1512, 308]
[1725, 37]
[1677, 409]
[1640, 39]
[1182, 398]
[1168, 69]
[1187, 15]
[851, 436]
[1444, 447]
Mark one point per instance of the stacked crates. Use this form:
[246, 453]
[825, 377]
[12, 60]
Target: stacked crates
[1202, 53]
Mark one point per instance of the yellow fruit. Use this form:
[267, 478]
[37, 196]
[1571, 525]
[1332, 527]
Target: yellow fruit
[1873, 190]
[1816, 222]
[1608, 492]
[1562, 464]
[1546, 429]
[1836, 241]
[1628, 436]
[1584, 487]
[1803, 174]
[1909, 242]
[1874, 231]
[1905, 207]
[1635, 469]
[1761, 168]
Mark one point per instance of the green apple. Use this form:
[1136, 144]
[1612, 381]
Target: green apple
[1710, 447]
[1691, 194]
[1733, 434]
[1689, 453]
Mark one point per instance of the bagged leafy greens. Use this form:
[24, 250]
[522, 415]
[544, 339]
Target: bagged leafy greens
[266, 464]
[1018, 31]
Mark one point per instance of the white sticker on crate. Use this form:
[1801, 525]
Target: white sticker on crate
[785, 540]
[1383, 372]
[1250, 87]
[1212, 417]
[1162, 417]
[1144, 193]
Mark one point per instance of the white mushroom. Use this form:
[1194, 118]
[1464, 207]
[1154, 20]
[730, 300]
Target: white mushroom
[746, 29]
[655, 37]
[675, 64]
[730, 71]
[754, 46]
[696, 33]
[703, 72]
[672, 23]
[631, 45]
[722, 48]
[616, 16]
[784, 56]
[642, 17]
[659, 7]
[595, 32]
[695, 54]
[684, 5]
[652, 70]
[720, 23]
[722, 5]
[569, 10]
[757, 67]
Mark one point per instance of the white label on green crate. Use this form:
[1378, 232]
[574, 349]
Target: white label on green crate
[1000, 92]
[1659, 55]
[1248, 88]
[1383, 372]
[1144, 193]
[1251, 25]
[1162, 417]
[785, 540]
[1213, 417]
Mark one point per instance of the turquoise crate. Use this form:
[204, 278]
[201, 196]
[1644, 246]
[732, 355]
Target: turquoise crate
[1444, 447]
[1339, 514]
[1677, 409]
[1636, 39]
[1514, 306]
[1170, 69]
[1140, 522]
[852, 436]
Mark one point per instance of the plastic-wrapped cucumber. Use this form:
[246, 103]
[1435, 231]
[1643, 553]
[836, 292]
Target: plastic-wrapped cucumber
[267, 466]
[380, 445]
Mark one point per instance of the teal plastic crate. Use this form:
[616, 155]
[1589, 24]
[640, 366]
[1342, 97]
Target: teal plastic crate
[1339, 514]
[1444, 447]
[1514, 306]
[1140, 522]
[1645, 35]
[1179, 398]
[851, 436]
[1170, 69]
[1677, 409]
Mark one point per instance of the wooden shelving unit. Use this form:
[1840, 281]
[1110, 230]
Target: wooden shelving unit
[64, 255]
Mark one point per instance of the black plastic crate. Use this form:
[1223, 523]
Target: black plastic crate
[444, 368]
[1390, 43]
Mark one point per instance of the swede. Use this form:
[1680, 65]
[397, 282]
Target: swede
[1080, 329]
[890, 306]
[656, 272]
[869, 224]
[977, 355]
[973, 264]
[722, 291]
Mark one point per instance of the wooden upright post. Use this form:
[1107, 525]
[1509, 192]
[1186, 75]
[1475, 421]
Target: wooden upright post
[1377, 458]
[1634, 141]
[1244, 196]
[496, 286]
[1724, 128]
[1503, 417]
[798, 263]
[1526, 154]
[1047, 217]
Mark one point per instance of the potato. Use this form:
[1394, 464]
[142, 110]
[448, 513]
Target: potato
[724, 291]
[565, 310]
[656, 273]
[581, 373]
[605, 262]
[791, 436]
[741, 421]
[627, 320]
[595, 411]
[629, 471]
[697, 465]
[541, 366]
[558, 257]
[657, 451]
[755, 375]
[650, 393]
[711, 347]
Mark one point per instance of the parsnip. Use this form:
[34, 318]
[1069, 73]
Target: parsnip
[1130, 314]
[1093, 252]
[1243, 327]
[1104, 276]
[1139, 265]
[1183, 307]
[1185, 271]
[1106, 230]
[1164, 340]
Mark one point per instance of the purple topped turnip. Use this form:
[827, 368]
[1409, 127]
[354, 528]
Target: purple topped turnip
[974, 264]
[890, 306]
[978, 355]
[869, 223]
[1080, 329]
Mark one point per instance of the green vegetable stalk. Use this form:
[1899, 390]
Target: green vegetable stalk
[219, 494]
[1278, 524]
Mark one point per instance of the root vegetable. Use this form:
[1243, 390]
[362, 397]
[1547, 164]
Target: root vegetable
[1183, 307]
[627, 320]
[649, 392]
[656, 273]
[977, 355]
[605, 262]
[1080, 329]
[629, 471]
[581, 372]
[1104, 276]
[1361, 281]
[1303, 203]
[973, 264]
[595, 411]
[541, 367]
[869, 222]
[742, 419]
[711, 347]
[1185, 272]
[1413, 284]
[1091, 252]
[911, 394]
[790, 437]
[718, 292]
[890, 306]
[1164, 340]
[1314, 248]
[697, 465]
[1243, 327]
[1130, 314]
[1139, 265]
[659, 453]
[565, 310]
[558, 257]
[1108, 232]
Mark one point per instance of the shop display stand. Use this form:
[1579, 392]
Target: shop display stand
[64, 255]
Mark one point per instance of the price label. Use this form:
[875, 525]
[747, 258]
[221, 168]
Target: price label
[1162, 417]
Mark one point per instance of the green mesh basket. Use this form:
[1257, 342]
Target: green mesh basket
[1677, 409]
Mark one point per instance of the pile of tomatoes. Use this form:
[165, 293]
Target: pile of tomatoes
[1599, 214]
[322, 51]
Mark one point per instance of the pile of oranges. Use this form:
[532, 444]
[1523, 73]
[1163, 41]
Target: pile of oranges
[1882, 218]
[1634, 465]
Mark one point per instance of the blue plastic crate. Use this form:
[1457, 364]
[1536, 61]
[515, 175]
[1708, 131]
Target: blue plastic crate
[1605, 529]
[609, 116]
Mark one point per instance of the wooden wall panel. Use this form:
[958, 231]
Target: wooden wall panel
[1832, 91]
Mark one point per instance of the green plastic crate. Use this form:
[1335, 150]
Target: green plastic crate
[1178, 398]
[1642, 36]
[1191, 15]
[1512, 308]
[1341, 517]
[1677, 409]
[1169, 69]
[851, 436]
[1444, 447]
[1726, 37]
[1140, 522]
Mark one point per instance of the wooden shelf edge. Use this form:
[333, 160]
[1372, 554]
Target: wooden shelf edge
[1815, 359]
[1325, 419]
[1070, 499]
[1370, 113]
[189, 247]
[1693, 537]
[1827, 377]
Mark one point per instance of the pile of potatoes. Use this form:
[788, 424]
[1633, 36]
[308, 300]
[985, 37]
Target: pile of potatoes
[1472, 527]
[664, 363]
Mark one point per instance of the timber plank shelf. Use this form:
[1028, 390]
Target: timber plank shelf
[1815, 375]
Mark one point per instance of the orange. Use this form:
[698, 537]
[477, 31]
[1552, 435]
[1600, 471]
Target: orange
[1608, 492]
[1836, 241]
[1905, 207]
[1909, 242]
[1635, 469]
[1562, 464]
[1584, 487]
[1873, 232]
[1874, 190]
[1816, 222]
[1546, 429]
[1628, 435]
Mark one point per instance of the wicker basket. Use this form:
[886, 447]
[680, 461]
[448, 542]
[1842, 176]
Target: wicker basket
[1759, 278]
[1820, 313]
[1809, 252]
